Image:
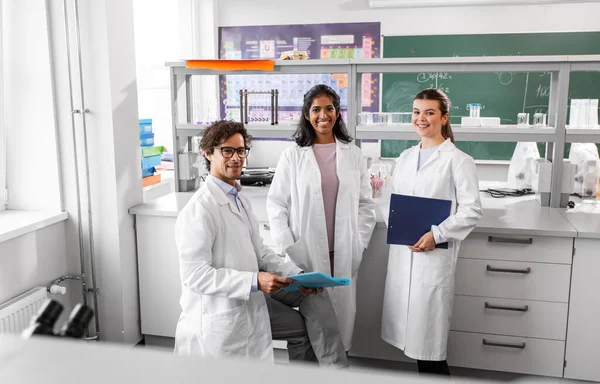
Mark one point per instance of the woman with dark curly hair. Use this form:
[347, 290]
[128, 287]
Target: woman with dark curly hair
[319, 204]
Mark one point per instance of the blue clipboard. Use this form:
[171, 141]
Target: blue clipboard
[315, 280]
[411, 217]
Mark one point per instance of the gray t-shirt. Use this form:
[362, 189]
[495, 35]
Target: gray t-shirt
[425, 154]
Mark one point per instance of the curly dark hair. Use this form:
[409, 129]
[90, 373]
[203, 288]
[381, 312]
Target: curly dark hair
[305, 135]
[218, 132]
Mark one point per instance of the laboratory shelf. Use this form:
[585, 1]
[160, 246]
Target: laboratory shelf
[502, 133]
[580, 135]
[281, 67]
[559, 67]
[282, 130]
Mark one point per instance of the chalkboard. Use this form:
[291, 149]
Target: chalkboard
[503, 94]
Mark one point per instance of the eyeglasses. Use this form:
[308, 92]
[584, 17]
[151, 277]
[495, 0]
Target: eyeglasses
[228, 152]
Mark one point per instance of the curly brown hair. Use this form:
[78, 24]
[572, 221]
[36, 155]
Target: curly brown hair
[218, 132]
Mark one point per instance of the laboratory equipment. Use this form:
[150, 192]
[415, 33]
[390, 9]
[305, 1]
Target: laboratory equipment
[589, 183]
[541, 180]
[519, 170]
[474, 109]
[43, 322]
[582, 155]
[523, 119]
[593, 116]
[539, 119]
[77, 323]
[262, 109]
[567, 187]
[189, 170]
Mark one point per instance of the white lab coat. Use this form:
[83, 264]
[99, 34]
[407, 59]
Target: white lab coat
[419, 287]
[220, 315]
[297, 218]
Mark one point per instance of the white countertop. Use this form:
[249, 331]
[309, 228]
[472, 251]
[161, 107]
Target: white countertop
[508, 215]
[585, 219]
[68, 361]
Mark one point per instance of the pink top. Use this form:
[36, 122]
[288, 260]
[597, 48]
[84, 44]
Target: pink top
[326, 158]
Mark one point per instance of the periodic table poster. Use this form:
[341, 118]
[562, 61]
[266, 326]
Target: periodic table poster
[320, 41]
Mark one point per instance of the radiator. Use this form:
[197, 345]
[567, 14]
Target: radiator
[16, 314]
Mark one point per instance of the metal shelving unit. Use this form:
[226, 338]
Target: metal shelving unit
[555, 135]
[184, 128]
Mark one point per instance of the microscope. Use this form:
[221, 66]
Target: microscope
[43, 323]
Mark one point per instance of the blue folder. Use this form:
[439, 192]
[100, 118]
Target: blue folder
[411, 217]
[315, 280]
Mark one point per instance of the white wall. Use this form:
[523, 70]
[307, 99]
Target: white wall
[415, 21]
[34, 260]
[110, 91]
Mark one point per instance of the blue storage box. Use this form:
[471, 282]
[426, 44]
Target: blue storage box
[145, 125]
[148, 172]
[146, 139]
[150, 162]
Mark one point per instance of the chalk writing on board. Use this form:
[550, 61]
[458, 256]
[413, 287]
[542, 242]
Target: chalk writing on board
[543, 91]
[399, 97]
[505, 78]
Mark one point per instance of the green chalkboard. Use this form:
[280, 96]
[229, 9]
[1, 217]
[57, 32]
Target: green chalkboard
[503, 94]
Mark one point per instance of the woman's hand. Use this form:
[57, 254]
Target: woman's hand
[425, 243]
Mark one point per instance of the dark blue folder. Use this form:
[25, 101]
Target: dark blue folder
[411, 217]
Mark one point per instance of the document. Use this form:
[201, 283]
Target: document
[411, 217]
[315, 280]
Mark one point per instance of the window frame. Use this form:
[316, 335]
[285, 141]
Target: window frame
[3, 147]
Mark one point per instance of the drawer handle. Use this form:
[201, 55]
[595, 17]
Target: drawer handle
[505, 345]
[506, 308]
[525, 271]
[509, 240]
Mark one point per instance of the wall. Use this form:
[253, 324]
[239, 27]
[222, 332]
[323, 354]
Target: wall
[110, 93]
[34, 260]
[416, 21]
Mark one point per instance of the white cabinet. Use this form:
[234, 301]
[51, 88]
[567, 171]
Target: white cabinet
[511, 315]
[583, 336]
[158, 269]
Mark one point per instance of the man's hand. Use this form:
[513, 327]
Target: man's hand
[269, 282]
[425, 243]
[309, 291]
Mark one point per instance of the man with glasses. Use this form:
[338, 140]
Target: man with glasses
[232, 300]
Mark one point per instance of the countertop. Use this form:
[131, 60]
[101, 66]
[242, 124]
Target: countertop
[508, 215]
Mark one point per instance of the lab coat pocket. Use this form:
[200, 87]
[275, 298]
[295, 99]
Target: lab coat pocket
[434, 268]
[226, 333]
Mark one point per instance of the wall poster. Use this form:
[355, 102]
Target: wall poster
[321, 41]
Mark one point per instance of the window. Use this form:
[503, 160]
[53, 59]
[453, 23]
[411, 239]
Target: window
[3, 193]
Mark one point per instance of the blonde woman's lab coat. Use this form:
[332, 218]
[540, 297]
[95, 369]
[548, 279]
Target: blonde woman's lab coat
[419, 287]
[297, 218]
[218, 257]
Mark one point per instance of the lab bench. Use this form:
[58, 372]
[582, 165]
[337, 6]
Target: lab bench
[518, 285]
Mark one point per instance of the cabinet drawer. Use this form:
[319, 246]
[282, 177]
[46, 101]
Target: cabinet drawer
[503, 353]
[517, 248]
[513, 280]
[526, 318]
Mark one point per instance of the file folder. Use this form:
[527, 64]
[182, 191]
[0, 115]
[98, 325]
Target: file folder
[411, 217]
[315, 280]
